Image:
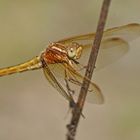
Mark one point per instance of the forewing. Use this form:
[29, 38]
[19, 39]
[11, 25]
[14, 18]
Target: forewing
[113, 46]
[53, 81]
[111, 50]
[128, 32]
[94, 93]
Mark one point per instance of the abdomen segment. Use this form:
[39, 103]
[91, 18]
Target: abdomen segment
[32, 64]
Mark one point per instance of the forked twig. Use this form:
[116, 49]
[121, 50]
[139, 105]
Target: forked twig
[72, 127]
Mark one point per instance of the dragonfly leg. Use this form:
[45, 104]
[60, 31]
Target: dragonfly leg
[70, 91]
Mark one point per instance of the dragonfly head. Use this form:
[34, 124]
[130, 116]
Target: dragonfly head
[74, 51]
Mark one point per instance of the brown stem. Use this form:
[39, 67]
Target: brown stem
[91, 65]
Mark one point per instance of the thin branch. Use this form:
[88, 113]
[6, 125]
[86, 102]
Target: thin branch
[72, 127]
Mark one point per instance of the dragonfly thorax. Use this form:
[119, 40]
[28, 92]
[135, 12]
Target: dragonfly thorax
[58, 53]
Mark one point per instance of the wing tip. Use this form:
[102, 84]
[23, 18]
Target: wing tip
[133, 24]
[101, 100]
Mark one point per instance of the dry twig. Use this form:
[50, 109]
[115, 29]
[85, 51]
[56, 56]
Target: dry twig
[91, 65]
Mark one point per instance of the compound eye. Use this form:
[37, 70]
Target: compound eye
[71, 52]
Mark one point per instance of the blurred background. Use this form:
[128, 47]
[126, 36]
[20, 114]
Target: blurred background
[29, 107]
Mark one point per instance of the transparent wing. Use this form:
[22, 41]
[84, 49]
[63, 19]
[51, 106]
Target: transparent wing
[75, 81]
[127, 32]
[94, 93]
[112, 49]
[53, 81]
[113, 46]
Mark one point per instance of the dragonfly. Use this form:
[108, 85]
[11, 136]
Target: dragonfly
[64, 61]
